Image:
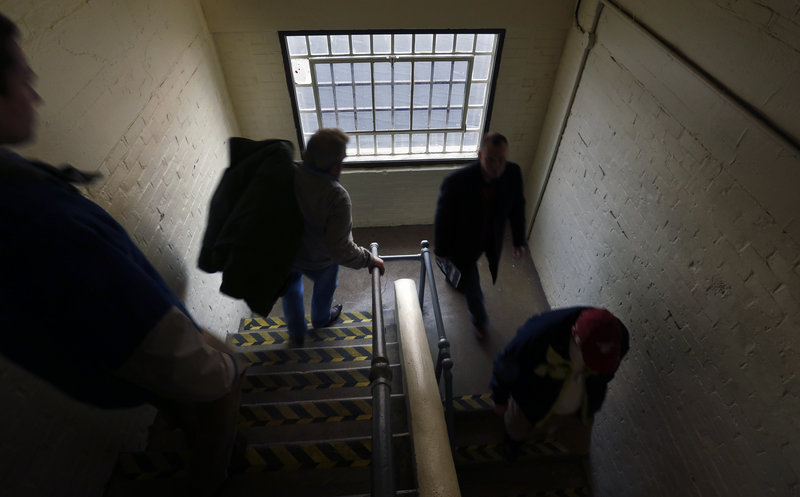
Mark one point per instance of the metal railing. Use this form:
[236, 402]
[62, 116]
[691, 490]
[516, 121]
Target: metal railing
[444, 363]
[383, 484]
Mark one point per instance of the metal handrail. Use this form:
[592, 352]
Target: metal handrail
[444, 363]
[383, 484]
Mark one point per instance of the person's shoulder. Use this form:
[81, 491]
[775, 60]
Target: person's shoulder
[553, 317]
[464, 173]
[513, 170]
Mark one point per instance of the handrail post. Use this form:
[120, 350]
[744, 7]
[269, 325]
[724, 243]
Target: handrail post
[383, 484]
[447, 363]
[422, 272]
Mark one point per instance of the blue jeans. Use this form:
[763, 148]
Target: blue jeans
[321, 299]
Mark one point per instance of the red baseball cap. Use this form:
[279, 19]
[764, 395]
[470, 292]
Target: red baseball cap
[598, 334]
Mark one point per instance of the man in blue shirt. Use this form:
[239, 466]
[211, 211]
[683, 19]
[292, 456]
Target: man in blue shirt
[108, 330]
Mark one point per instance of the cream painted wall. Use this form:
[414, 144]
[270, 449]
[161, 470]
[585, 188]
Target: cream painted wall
[246, 34]
[133, 89]
[675, 207]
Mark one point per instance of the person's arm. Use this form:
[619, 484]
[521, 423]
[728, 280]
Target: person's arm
[504, 374]
[444, 220]
[339, 234]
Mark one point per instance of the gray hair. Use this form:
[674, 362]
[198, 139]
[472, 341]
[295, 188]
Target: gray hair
[326, 149]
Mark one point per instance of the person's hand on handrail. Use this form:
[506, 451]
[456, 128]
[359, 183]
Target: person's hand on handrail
[379, 264]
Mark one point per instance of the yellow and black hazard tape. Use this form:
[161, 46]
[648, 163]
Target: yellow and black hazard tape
[306, 381]
[494, 452]
[271, 337]
[321, 455]
[308, 356]
[272, 323]
[151, 465]
[473, 402]
[305, 412]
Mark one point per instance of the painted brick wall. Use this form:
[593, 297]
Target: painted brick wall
[132, 89]
[674, 208]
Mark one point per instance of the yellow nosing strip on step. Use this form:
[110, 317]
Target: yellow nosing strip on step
[323, 455]
[470, 402]
[251, 338]
[278, 322]
[306, 412]
[306, 381]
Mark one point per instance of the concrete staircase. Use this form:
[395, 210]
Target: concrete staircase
[306, 416]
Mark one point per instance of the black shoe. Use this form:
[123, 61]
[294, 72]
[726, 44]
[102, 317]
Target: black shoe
[335, 312]
[299, 341]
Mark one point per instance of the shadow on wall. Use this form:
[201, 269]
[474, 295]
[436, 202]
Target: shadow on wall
[149, 236]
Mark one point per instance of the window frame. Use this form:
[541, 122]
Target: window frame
[402, 161]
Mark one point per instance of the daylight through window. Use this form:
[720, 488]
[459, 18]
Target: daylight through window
[400, 96]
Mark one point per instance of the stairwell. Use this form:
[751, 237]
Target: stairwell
[306, 417]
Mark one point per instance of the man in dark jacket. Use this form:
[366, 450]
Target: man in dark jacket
[552, 377]
[474, 204]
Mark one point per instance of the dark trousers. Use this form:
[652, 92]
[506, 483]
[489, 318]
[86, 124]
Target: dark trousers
[470, 286]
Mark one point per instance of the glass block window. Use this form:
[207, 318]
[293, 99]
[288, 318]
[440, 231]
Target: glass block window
[401, 96]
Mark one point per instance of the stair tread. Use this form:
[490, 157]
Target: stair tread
[303, 429]
[321, 411]
[247, 339]
[310, 358]
[277, 322]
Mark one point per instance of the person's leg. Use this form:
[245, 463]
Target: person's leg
[293, 308]
[325, 282]
[470, 286]
[195, 379]
[518, 428]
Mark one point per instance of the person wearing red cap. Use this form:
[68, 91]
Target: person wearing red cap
[551, 379]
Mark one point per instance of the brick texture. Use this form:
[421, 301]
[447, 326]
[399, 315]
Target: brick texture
[670, 205]
[132, 89]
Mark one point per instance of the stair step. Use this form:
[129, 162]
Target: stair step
[319, 454]
[305, 380]
[316, 358]
[276, 337]
[334, 427]
[303, 413]
[272, 323]
[324, 379]
[315, 394]
[493, 452]
[472, 402]
[353, 452]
